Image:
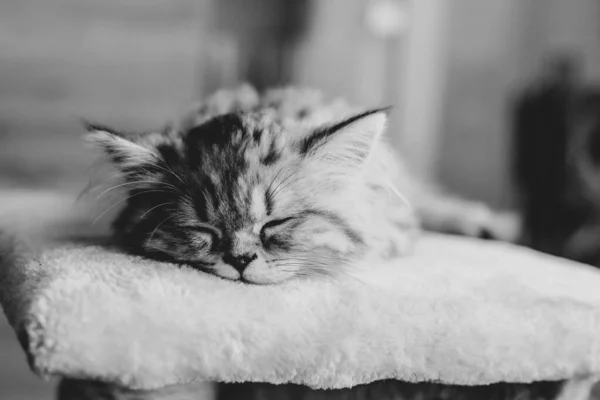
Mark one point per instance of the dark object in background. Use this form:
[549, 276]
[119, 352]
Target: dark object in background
[541, 130]
[583, 244]
[556, 123]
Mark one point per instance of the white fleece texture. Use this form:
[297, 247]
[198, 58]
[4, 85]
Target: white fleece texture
[458, 311]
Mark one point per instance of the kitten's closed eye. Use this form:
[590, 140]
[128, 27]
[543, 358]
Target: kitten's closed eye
[277, 223]
[204, 232]
[271, 229]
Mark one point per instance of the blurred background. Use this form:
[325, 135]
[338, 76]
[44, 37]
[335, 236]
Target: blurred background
[496, 100]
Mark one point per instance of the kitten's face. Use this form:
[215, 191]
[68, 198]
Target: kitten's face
[244, 198]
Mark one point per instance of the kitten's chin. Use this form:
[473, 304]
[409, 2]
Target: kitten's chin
[257, 273]
[225, 271]
[260, 272]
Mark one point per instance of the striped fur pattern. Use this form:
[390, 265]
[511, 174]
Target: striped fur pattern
[262, 189]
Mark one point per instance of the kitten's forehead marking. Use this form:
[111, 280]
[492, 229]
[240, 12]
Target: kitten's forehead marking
[258, 203]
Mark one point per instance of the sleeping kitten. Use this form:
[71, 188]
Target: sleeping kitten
[263, 189]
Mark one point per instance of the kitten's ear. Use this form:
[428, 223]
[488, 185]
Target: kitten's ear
[348, 142]
[125, 153]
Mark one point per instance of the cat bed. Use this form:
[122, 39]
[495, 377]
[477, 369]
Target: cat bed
[457, 311]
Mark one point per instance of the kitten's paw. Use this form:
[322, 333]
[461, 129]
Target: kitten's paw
[485, 223]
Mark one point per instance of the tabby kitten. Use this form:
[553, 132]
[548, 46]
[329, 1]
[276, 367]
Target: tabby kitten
[262, 189]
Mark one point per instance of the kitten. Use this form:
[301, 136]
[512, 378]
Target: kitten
[263, 189]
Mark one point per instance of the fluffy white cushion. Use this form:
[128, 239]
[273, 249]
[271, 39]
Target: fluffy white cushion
[458, 311]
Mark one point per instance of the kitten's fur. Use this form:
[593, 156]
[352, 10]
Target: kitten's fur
[264, 189]
[268, 188]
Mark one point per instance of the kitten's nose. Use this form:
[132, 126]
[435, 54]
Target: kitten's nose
[239, 262]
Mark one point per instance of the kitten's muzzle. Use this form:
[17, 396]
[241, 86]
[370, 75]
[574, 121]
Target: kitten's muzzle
[239, 262]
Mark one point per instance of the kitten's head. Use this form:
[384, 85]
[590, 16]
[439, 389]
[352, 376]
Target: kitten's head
[248, 197]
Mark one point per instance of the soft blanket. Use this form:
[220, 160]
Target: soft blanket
[458, 311]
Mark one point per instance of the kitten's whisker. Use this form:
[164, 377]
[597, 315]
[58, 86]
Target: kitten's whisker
[340, 267]
[87, 189]
[154, 208]
[276, 177]
[121, 201]
[157, 226]
[153, 246]
[306, 275]
[167, 169]
[324, 261]
[335, 271]
[187, 197]
[400, 195]
[323, 274]
[301, 272]
[292, 264]
[134, 183]
[95, 183]
[318, 266]
[282, 184]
